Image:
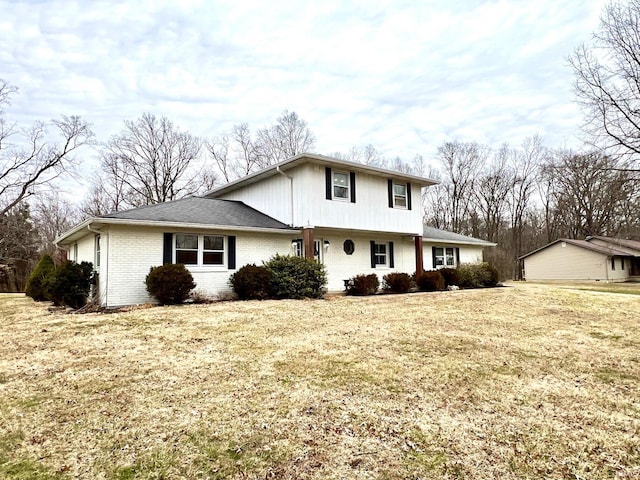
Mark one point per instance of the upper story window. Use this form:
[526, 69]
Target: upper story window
[340, 186]
[399, 194]
[193, 249]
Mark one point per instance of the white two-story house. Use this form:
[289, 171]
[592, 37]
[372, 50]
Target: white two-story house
[353, 218]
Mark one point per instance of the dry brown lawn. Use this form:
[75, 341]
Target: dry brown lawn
[530, 381]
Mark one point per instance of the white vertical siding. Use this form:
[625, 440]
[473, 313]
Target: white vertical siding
[310, 207]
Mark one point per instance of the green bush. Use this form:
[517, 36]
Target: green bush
[396, 282]
[450, 276]
[363, 285]
[430, 281]
[40, 279]
[170, 284]
[296, 277]
[71, 284]
[251, 282]
[477, 275]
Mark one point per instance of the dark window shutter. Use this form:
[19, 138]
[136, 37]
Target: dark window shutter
[167, 248]
[373, 254]
[390, 192]
[352, 181]
[329, 182]
[409, 196]
[391, 264]
[231, 252]
[457, 256]
[433, 257]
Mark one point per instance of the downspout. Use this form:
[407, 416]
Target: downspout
[290, 191]
[106, 263]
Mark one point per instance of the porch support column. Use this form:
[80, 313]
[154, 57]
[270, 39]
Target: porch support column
[307, 241]
[419, 260]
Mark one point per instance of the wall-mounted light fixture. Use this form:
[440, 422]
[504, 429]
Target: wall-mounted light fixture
[327, 244]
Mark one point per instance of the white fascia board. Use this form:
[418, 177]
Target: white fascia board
[98, 222]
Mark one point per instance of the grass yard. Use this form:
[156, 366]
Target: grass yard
[530, 381]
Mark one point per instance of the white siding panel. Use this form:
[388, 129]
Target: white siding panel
[568, 262]
[310, 207]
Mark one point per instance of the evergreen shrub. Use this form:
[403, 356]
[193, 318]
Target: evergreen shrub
[450, 276]
[296, 277]
[363, 285]
[430, 281]
[396, 282]
[40, 279]
[71, 284]
[252, 282]
[170, 284]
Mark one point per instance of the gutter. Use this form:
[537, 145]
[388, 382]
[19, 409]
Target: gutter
[290, 190]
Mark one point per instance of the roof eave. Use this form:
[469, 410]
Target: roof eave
[97, 222]
[480, 243]
[320, 159]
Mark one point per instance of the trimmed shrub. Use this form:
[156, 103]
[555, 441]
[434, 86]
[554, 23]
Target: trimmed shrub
[396, 282]
[170, 284]
[251, 282]
[71, 284]
[477, 276]
[40, 279]
[296, 277]
[450, 276]
[363, 285]
[430, 281]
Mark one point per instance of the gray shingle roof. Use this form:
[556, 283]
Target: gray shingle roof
[435, 234]
[198, 210]
[610, 250]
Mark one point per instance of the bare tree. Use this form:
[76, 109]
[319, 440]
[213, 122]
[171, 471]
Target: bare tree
[35, 160]
[608, 79]
[286, 138]
[592, 195]
[491, 194]
[149, 162]
[235, 155]
[52, 215]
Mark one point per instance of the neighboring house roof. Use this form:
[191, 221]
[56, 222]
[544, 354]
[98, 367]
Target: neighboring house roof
[302, 158]
[431, 234]
[621, 243]
[609, 250]
[191, 212]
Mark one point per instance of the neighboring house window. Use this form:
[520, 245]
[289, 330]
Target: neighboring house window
[445, 256]
[75, 252]
[340, 185]
[97, 251]
[399, 194]
[381, 254]
[613, 263]
[622, 263]
[193, 249]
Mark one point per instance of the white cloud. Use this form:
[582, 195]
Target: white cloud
[403, 76]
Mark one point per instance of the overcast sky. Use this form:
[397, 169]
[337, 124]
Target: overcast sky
[404, 76]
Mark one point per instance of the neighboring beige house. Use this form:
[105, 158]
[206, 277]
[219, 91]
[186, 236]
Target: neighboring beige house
[595, 258]
[354, 218]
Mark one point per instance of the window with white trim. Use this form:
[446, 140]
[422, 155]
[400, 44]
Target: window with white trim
[399, 195]
[380, 253]
[444, 257]
[341, 186]
[199, 250]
